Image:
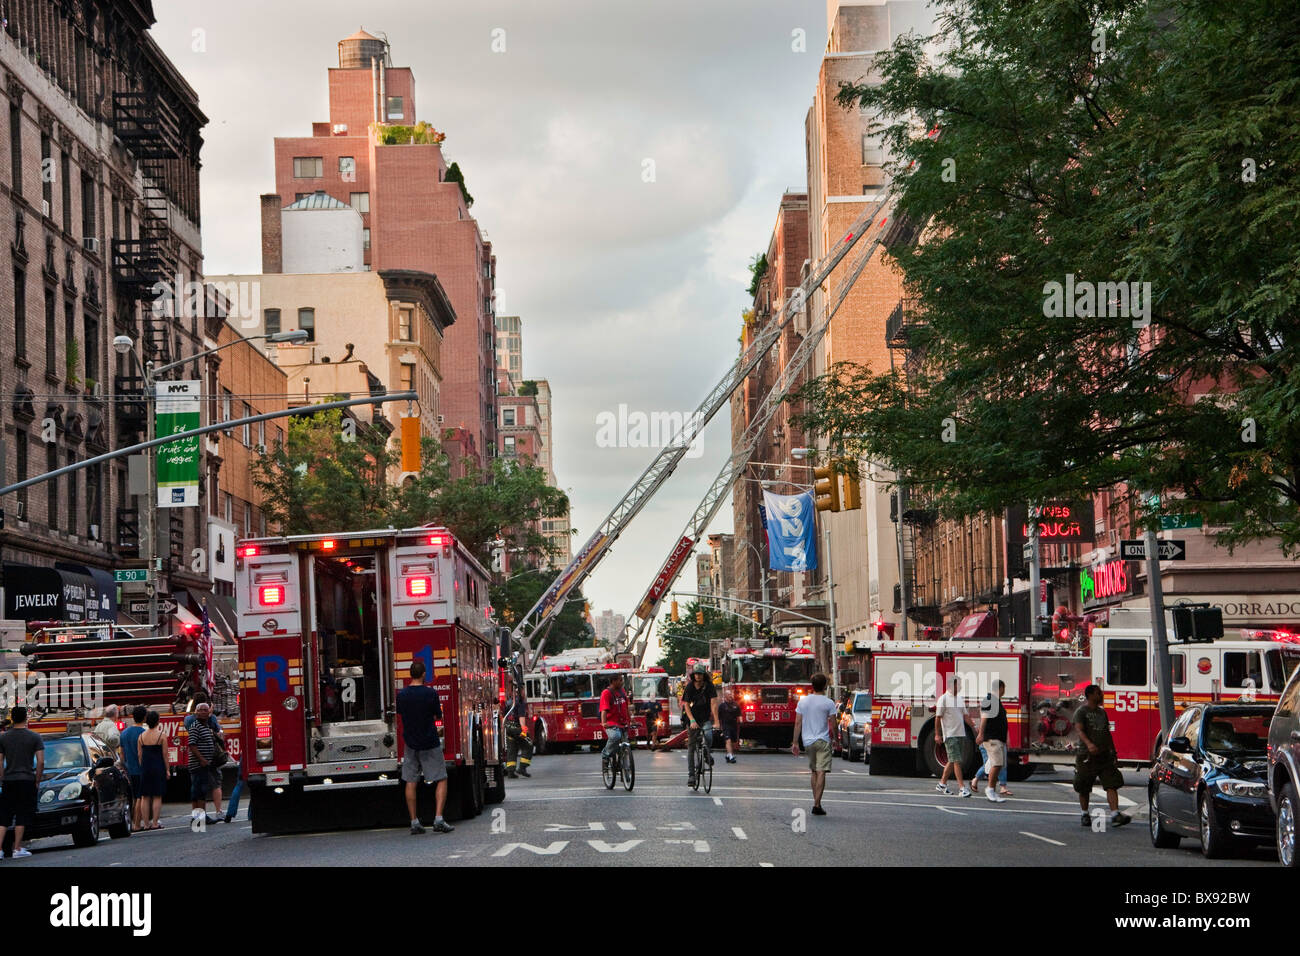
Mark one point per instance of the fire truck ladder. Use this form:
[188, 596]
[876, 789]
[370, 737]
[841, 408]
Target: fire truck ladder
[664, 463]
[647, 610]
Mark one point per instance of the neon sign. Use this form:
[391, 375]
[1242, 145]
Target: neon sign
[1102, 581]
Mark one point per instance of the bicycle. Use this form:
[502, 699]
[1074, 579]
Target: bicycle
[620, 764]
[702, 771]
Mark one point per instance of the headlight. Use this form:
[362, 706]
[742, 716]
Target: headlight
[1241, 788]
[70, 792]
[47, 796]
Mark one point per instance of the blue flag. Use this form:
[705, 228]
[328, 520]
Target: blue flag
[791, 531]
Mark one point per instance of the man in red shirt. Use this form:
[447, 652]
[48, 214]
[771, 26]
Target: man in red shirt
[613, 715]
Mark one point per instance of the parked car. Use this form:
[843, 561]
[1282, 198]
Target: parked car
[81, 792]
[1284, 769]
[1210, 780]
[855, 726]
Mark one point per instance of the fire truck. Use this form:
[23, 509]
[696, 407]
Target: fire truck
[564, 698]
[329, 625]
[767, 683]
[73, 671]
[1045, 684]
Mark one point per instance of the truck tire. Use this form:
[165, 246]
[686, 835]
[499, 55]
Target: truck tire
[497, 792]
[539, 738]
[928, 752]
[454, 808]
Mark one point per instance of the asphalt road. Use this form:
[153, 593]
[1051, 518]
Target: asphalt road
[756, 815]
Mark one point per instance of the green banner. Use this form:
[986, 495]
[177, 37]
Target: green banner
[176, 406]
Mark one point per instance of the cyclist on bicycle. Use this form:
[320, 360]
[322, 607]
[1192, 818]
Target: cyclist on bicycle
[614, 716]
[700, 705]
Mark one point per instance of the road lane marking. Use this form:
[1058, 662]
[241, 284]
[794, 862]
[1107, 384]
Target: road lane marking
[569, 828]
[950, 810]
[1097, 792]
[626, 826]
[740, 834]
[717, 801]
[848, 771]
[857, 803]
[767, 864]
[1043, 838]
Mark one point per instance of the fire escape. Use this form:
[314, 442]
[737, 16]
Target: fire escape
[915, 518]
[151, 132]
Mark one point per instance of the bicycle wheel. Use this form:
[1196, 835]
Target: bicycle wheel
[706, 770]
[629, 770]
[696, 766]
[609, 771]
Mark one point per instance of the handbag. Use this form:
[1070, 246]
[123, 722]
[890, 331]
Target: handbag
[219, 756]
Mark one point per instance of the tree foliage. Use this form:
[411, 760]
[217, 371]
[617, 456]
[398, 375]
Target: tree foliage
[1104, 141]
[515, 597]
[328, 477]
[685, 638]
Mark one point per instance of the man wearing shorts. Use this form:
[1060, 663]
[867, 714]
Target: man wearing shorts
[992, 737]
[950, 727]
[418, 706]
[1098, 763]
[22, 763]
[729, 722]
[814, 723]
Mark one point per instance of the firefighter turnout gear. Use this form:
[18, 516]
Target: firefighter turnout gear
[519, 749]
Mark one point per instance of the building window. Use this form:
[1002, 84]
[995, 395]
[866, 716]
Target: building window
[248, 433]
[228, 509]
[74, 494]
[20, 474]
[261, 436]
[65, 192]
[872, 154]
[51, 337]
[307, 322]
[404, 324]
[360, 201]
[47, 181]
[299, 197]
[395, 108]
[225, 408]
[88, 208]
[94, 501]
[365, 240]
[271, 320]
[407, 373]
[507, 416]
[510, 446]
[52, 486]
[308, 167]
[248, 520]
[16, 146]
[20, 314]
[348, 168]
[90, 346]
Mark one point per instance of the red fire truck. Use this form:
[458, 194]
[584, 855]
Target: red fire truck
[564, 699]
[328, 628]
[1045, 683]
[767, 683]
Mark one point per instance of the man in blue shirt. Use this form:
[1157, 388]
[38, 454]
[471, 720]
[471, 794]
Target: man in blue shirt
[419, 707]
[131, 758]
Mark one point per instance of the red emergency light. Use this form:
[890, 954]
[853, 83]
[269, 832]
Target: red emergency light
[655, 670]
[263, 724]
[329, 544]
[560, 667]
[419, 586]
[439, 540]
[248, 551]
[271, 595]
[742, 650]
[610, 665]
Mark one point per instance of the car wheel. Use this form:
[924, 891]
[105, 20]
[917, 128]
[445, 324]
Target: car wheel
[1160, 837]
[1287, 808]
[86, 832]
[1213, 840]
[122, 828]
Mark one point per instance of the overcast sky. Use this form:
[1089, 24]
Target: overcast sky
[630, 292]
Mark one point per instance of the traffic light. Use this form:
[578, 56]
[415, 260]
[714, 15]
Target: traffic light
[827, 488]
[675, 615]
[852, 487]
[410, 436]
[699, 618]
[754, 614]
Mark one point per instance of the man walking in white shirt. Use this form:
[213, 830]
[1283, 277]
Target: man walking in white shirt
[814, 722]
[950, 730]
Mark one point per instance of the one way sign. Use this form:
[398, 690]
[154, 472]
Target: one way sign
[1170, 550]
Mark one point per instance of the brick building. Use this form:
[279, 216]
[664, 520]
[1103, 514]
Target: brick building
[372, 155]
[100, 201]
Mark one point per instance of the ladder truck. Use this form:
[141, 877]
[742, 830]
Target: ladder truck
[646, 612]
[536, 622]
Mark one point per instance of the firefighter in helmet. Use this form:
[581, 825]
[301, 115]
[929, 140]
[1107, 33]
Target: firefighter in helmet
[519, 749]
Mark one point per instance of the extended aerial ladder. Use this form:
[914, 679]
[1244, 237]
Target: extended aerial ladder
[638, 627]
[538, 619]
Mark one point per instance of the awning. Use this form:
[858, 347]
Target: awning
[980, 624]
[186, 616]
[221, 613]
[97, 588]
[65, 592]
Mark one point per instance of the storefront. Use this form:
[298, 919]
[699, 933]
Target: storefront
[66, 592]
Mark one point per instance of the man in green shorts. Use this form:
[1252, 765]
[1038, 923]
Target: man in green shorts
[1097, 761]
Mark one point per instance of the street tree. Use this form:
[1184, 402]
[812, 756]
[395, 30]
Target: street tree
[515, 596]
[1104, 289]
[687, 638]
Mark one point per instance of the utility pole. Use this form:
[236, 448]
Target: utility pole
[901, 495]
[151, 507]
[1035, 577]
[830, 601]
[1158, 631]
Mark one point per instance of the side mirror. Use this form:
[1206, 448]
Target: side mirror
[1180, 745]
[104, 762]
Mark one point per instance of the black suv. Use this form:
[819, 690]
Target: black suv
[1284, 768]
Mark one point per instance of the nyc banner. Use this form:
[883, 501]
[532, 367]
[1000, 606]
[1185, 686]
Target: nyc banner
[791, 531]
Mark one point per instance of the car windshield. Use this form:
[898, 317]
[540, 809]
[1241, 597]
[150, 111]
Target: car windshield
[750, 670]
[65, 755]
[572, 686]
[647, 688]
[794, 670]
[1236, 734]
[862, 704]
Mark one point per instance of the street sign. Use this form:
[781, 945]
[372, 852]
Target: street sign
[1027, 551]
[1170, 550]
[1175, 522]
[165, 606]
[130, 575]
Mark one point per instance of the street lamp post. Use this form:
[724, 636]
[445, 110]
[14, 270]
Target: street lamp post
[123, 345]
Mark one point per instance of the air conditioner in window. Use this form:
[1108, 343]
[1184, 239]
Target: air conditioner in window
[45, 208]
[441, 419]
[90, 244]
[339, 128]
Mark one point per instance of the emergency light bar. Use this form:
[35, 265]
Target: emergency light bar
[419, 586]
[248, 551]
[270, 595]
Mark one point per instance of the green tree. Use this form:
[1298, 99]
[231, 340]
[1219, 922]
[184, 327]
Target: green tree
[1088, 142]
[454, 175]
[515, 597]
[686, 638]
[757, 269]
